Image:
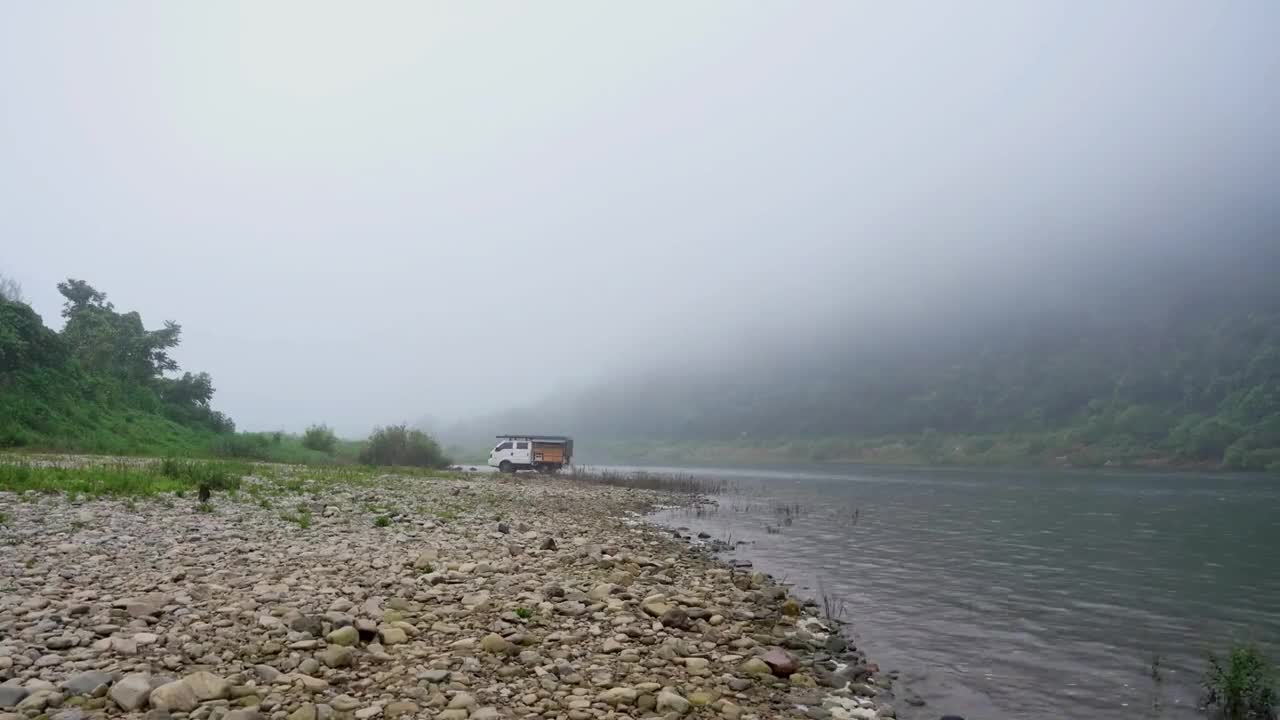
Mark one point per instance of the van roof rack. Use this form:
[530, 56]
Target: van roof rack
[551, 438]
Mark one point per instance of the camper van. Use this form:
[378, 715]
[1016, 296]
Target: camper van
[544, 453]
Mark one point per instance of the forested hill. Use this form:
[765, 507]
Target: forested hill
[99, 385]
[1182, 368]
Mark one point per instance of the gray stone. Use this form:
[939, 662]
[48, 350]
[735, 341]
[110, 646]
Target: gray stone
[436, 676]
[309, 624]
[392, 636]
[176, 696]
[336, 656]
[494, 643]
[399, 708]
[266, 673]
[94, 682]
[207, 686]
[671, 702]
[307, 711]
[243, 714]
[463, 700]
[780, 662]
[10, 696]
[130, 692]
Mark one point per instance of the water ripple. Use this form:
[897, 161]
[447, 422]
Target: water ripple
[1022, 595]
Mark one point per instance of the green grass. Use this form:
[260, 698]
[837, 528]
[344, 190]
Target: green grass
[4, 518]
[1243, 687]
[120, 479]
[302, 518]
[381, 521]
[524, 613]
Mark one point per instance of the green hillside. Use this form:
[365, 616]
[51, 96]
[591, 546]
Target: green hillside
[101, 384]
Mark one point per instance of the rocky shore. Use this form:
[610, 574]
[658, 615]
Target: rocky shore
[304, 597]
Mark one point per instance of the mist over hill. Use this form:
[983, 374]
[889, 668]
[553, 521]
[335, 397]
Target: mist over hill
[1171, 358]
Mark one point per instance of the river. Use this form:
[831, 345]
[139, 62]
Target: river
[1020, 594]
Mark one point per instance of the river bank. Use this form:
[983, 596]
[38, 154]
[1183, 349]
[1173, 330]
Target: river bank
[327, 594]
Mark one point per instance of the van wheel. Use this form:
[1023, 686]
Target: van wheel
[506, 467]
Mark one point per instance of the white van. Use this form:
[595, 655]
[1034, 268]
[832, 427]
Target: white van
[544, 453]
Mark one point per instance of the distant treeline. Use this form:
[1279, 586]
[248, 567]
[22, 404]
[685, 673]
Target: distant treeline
[107, 384]
[1184, 371]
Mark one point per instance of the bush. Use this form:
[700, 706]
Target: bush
[319, 437]
[256, 446]
[1243, 689]
[398, 445]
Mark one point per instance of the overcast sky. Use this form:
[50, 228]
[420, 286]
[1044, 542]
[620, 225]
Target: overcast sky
[364, 213]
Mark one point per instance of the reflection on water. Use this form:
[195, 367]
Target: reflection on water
[1003, 594]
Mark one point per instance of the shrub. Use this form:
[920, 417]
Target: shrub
[398, 445]
[382, 521]
[1243, 688]
[319, 437]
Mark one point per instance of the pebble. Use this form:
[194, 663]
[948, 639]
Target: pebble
[574, 610]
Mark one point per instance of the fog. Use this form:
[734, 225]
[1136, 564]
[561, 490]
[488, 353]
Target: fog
[371, 213]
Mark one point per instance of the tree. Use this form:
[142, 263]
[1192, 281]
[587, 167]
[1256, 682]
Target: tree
[107, 341]
[398, 445]
[192, 390]
[10, 290]
[319, 437]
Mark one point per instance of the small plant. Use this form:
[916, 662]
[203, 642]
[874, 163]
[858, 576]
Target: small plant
[264, 503]
[4, 518]
[205, 508]
[833, 608]
[78, 524]
[1157, 685]
[524, 613]
[131, 505]
[303, 519]
[382, 521]
[1243, 688]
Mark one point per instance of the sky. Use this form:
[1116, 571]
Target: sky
[368, 213]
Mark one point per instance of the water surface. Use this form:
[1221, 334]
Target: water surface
[1021, 594]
